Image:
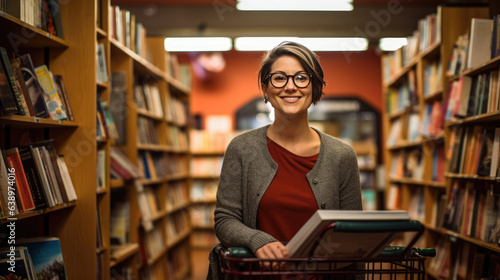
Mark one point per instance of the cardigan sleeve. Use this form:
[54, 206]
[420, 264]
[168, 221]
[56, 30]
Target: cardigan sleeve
[230, 226]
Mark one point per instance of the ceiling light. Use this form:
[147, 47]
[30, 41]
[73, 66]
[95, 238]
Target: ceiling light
[315, 44]
[294, 5]
[391, 44]
[197, 44]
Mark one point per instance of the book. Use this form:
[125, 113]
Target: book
[351, 233]
[61, 90]
[55, 13]
[13, 160]
[47, 257]
[55, 172]
[479, 44]
[22, 269]
[35, 90]
[40, 168]
[23, 90]
[4, 59]
[33, 178]
[52, 99]
[8, 103]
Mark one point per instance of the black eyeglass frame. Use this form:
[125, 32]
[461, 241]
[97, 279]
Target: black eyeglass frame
[288, 78]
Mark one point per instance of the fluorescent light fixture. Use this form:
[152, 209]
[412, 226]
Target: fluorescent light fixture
[294, 5]
[259, 43]
[315, 44]
[391, 44]
[197, 44]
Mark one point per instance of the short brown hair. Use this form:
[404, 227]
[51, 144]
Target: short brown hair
[308, 59]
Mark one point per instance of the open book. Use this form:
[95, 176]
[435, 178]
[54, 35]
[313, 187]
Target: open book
[349, 233]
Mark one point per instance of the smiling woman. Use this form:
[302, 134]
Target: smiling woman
[275, 177]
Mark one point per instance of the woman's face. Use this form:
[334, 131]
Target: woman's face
[290, 100]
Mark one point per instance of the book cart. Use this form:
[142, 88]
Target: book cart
[393, 262]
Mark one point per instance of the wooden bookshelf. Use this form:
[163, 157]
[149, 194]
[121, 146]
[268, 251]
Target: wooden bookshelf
[429, 194]
[74, 58]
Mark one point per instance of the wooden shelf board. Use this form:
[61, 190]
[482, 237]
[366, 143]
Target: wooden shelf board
[177, 239]
[434, 96]
[117, 183]
[177, 177]
[177, 86]
[102, 86]
[101, 33]
[206, 177]
[141, 65]
[471, 177]
[153, 181]
[493, 117]
[148, 114]
[33, 213]
[154, 259]
[178, 207]
[120, 253]
[34, 122]
[37, 37]
[484, 67]
[207, 153]
[204, 201]
[101, 191]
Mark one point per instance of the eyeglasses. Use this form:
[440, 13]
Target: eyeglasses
[301, 80]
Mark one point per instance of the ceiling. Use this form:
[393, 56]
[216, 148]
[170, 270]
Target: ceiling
[372, 19]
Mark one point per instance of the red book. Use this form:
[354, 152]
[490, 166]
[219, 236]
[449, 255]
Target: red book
[13, 160]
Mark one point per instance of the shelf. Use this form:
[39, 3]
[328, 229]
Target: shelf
[204, 201]
[34, 122]
[178, 207]
[405, 145]
[154, 181]
[207, 153]
[177, 239]
[492, 117]
[150, 115]
[471, 177]
[117, 183]
[156, 217]
[120, 253]
[141, 65]
[434, 96]
[102, 86]
[34, 213]
[411, 181]
[485, 67]
[101, 33]
[101, 191]
[177, 86]
[206, 177]
[154, 259]
[38, 38]
[490, 246]
[177, 177]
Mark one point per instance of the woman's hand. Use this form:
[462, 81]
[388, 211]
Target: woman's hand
[273, 250]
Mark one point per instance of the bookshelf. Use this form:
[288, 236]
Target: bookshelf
[424, 173]
[207, 152]
[156, 142]
[366, 153]
[73, 58]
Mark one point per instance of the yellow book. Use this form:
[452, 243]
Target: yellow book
[53, 100]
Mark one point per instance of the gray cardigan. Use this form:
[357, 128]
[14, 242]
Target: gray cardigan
[248, 170]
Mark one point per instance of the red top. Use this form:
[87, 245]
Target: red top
[289, 201]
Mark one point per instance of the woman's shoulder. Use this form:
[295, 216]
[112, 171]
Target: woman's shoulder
[250, 138]
[334, 144]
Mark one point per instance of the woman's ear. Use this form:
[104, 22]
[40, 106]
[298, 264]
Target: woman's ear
[263, 89]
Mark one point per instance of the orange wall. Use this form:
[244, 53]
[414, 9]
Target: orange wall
[354, 74]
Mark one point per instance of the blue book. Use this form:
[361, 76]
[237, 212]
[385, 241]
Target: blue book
[47, 257]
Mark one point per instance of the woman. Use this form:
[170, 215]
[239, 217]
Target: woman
[275, 177]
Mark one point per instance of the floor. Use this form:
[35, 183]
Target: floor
[199, 262]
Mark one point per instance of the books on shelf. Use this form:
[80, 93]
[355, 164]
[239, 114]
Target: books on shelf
[102, 65]
[46, 254]
[349, 233]
[41, 176]
[23, 264]
[121, 167]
